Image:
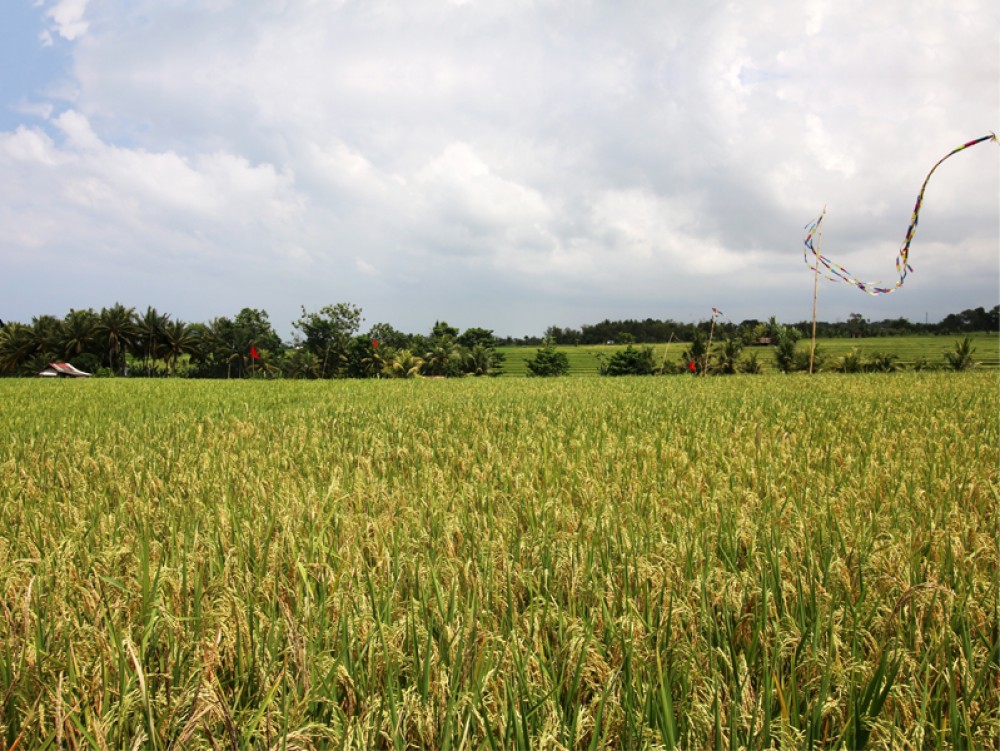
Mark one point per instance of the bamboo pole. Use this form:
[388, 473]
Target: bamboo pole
[708, 352]
[819, 248]
[666, 347]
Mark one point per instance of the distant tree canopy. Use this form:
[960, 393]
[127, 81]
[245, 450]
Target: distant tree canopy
[328, 343]
[650, 331]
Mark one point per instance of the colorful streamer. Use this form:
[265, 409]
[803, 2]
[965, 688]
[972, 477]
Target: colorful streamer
[838, 273]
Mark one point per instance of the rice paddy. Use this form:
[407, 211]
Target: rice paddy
[743, 562]
[909, 352]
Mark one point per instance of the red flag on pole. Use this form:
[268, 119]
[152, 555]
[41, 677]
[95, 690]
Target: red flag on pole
[253, 352]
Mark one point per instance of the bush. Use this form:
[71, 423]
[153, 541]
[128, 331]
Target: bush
[852, 362]
[751, 365]
[547, 362]
[784, 352]
[630, 361]
[882, 362]
[801, 360]
[960, 358]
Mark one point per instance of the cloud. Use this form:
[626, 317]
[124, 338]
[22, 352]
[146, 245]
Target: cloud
[136, 206]
[426, 159]
[68, 19]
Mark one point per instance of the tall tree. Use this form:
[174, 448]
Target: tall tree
[18, 346]
[79, 332]
[179, 339]
[148, 343]
[328, 333]
[445, 357]
[117, 327]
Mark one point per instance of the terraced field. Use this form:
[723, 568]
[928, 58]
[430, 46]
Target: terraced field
[583, 359]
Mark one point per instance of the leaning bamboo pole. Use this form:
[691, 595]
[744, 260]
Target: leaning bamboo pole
[819, 249]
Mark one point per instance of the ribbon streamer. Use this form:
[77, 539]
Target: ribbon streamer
[838, 273]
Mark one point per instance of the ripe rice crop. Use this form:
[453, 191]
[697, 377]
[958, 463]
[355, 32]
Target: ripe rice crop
[500, 563]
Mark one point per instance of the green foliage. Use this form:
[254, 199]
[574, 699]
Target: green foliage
[727, 358]
[327, 334]
[784, 349]
[548, 361]
[696, 352]
[882, 362]
[751, 364]
[483, 360]
[960, 358]
[852, 362]
[445, 357]
[800, 361]
[403, 364]
[116, 328]
[298, 363]
[387, 336]
[630, 361]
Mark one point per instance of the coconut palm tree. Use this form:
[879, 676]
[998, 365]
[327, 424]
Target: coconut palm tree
[149, 336]
[960, 358]
[79, 332]
[179, 339]
[484, 360]
[116, 325]
[444, 357]
[728, 358]
[17, 347]
[404, 364]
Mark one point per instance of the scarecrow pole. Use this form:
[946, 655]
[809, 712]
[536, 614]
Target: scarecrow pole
[666, 348]
[708, 352]
[819, 249]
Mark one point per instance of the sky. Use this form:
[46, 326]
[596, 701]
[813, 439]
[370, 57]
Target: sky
[509, 164]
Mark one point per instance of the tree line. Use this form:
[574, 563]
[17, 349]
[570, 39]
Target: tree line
[328, 343]
[651, 331]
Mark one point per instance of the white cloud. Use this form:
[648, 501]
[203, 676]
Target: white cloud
[617, 156]
[68, 17]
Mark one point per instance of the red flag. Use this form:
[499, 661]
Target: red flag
[691, 366]
[253, 352]
[375, 343]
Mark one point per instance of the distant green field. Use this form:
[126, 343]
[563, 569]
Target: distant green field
[908, 349]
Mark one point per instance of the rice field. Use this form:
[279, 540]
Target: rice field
[718, 563]
[583, 359]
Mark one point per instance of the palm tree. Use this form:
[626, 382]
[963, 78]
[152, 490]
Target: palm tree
[17, 346]
[47, 334]
[79, 332]
[751, 365]
[697, 353]
[882, 362]
[299, 363]
[117, 326]
[483, 360]
[852, 362]
[375, 361]
[179, 339]
[149, 336]
[405, 364]
[960, 358]
[784, 350]
[445, 356]
[729, 355]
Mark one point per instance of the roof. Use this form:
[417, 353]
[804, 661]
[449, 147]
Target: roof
[63, 369]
